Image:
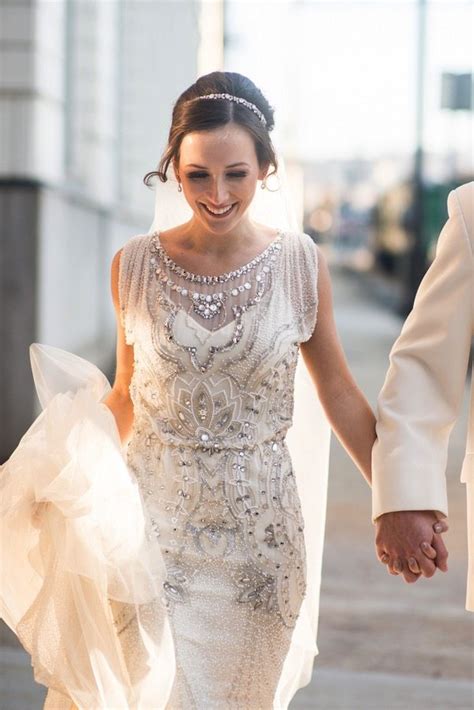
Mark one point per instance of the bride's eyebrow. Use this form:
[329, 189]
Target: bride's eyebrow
[202, 167]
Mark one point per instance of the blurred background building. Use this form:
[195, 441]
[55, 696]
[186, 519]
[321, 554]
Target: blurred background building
[86, 93]
[373, 104]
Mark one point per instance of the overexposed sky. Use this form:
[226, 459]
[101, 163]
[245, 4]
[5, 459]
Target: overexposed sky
[342, 74]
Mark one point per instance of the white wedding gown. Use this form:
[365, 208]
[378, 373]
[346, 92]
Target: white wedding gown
[193, 582]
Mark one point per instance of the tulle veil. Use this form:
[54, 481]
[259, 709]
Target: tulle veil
[81, 577]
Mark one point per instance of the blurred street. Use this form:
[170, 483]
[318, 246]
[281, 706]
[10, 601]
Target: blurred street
[384, 645]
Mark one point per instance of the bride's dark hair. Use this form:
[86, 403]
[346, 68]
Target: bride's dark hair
[190, 116]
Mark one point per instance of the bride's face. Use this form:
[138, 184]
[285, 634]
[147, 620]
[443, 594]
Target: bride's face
[218, 170]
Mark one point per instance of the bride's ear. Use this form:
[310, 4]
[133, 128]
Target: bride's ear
[175, 170]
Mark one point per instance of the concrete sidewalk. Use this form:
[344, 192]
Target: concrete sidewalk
[345, 690]
[330, 690]
[18, 690]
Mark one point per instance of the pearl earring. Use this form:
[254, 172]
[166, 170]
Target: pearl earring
[180, 187]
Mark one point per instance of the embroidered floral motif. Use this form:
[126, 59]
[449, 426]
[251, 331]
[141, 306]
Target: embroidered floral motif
[257, 589]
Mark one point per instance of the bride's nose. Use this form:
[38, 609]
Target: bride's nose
[218, 192]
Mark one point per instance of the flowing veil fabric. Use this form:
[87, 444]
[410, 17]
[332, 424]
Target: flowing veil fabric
[81, 577]
[81, 582]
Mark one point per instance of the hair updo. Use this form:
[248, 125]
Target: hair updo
[190, 116]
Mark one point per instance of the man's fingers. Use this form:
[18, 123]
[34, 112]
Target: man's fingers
[428, 550]
[441, 553]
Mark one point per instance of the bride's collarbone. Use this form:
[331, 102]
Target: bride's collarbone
[182, 250]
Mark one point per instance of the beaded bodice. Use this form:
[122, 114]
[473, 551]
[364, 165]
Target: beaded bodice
[215, 356]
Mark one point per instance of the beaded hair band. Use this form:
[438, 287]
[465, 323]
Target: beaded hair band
[238, 100]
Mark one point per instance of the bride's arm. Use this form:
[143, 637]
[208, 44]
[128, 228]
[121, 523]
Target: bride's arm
[346, 407]
[118, 400]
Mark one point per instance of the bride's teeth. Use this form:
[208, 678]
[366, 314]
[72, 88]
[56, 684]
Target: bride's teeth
[226, 209]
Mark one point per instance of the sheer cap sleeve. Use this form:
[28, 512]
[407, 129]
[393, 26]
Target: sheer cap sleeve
[133, 273]
[302, 282]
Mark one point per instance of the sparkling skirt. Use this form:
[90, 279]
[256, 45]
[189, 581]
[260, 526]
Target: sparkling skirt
[231, 536]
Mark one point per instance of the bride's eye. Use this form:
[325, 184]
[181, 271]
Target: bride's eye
[237, 175]
[196, 176]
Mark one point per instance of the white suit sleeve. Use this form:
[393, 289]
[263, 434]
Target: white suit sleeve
[421, 397]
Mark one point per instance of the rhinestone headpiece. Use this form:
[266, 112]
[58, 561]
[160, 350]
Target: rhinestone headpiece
[237, 100]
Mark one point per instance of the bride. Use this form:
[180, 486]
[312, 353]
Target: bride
[213, 605]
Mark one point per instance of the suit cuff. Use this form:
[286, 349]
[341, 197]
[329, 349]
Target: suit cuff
[393, 492]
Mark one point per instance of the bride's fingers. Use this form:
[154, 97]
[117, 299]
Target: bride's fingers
[382, 556]
[400, 568]
[413, 565]
[427, 565]
[441, 526]
[428, 550]
[409, 575]
[395, 566]
[441, 553]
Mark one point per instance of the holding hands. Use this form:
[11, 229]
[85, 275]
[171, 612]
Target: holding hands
[410, 543]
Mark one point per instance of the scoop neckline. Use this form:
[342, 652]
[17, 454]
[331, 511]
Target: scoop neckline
[226, 275]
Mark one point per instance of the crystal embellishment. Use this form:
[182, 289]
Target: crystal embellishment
[208, 305]
[269, 251]
[212, 307]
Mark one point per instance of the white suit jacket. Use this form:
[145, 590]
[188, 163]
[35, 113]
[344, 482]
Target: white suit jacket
[422, 394]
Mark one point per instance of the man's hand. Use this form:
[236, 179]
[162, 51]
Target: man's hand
[409, 543]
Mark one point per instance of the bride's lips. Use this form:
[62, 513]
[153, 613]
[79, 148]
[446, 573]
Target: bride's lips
[218, 216]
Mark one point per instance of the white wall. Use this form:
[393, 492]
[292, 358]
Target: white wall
[31, 89]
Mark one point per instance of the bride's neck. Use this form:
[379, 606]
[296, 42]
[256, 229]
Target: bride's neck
[196, 237]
